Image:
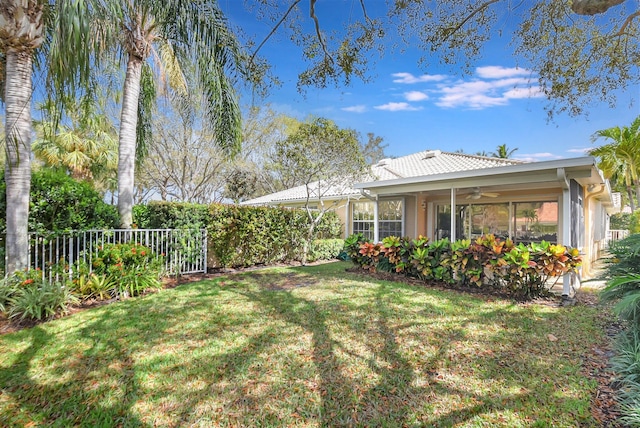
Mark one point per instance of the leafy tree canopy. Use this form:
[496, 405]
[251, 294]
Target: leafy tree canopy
[319, 151]
[581, 51]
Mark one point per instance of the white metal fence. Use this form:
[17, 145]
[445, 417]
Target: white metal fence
[616, 235]
[184, 250]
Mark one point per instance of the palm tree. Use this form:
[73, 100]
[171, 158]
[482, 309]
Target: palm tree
[620, 159]
[503, 152]
[86, 146]
[166, 38]
[56, 32]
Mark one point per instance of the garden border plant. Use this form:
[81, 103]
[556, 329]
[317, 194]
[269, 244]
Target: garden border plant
[623, 288]
[521, 271]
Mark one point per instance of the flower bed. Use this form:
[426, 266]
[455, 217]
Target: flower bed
[518, 270]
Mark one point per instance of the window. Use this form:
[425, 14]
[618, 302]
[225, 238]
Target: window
[363, 218]
[488, 219]
[390, 218]
[529, 221]
[390, 215]
[535, 222]
[443, 224]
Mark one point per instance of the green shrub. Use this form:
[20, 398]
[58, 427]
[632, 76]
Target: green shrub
[131, 268]
[623, 276]
[330, 227]
[625, 257]
[58, 203]
[352, 247]
[325, 249]
[91, 285]
[8, 287]
[634, 222]
[240, 236]
[171, 215]
[620, 221]
[521, 271]
[27, 296]
[626, 365]
[245, 236]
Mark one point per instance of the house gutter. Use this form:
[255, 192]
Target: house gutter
[368, 196]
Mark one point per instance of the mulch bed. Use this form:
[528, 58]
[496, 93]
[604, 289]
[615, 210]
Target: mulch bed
[595, 365]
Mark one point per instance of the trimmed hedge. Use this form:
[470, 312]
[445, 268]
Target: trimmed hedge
[325, 249]
[519, 270]
[242, 236]
[59, 203]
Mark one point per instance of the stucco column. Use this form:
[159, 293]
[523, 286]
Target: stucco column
[566, 234]
[376, 229]
[453, 214]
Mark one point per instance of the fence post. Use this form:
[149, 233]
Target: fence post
[204, 250]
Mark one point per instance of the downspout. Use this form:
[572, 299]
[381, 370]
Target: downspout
[347, 217]
[586, 268]
[366, 195]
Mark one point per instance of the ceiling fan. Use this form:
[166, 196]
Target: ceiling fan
[477, 194]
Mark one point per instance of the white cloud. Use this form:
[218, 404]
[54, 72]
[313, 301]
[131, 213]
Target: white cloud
[415, 96]
[480, 94]
[519, 93]
[475, 94]
[491, 86]
[355, 109]
[582, 151]
[536, 157]
[500, 72]
[409, 78]
[397, 107]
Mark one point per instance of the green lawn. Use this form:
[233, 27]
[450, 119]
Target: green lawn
[310, 346]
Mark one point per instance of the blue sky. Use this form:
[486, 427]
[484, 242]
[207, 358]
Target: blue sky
[415, 108]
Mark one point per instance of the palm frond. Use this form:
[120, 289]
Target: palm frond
[68, 46]
[621, 286]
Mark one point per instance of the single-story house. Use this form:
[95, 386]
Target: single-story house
[565, 201]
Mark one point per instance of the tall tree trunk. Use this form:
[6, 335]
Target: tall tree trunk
[127, 140]
[18, 151]
[631, 201]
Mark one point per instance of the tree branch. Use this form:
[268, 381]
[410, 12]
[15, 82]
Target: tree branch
[364, 11]
[627, 21]
[312, 14]
[482, 7]
[273, 30]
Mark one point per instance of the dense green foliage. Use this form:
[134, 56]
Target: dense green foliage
[246, 236]
[171, 215]
[623, 288]
[58, 202]
[243, 235]
[325, 249]
[26, 295]
[519, 270]
[115, 270]
[619, 159]
[132, 268]
[626, 365]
